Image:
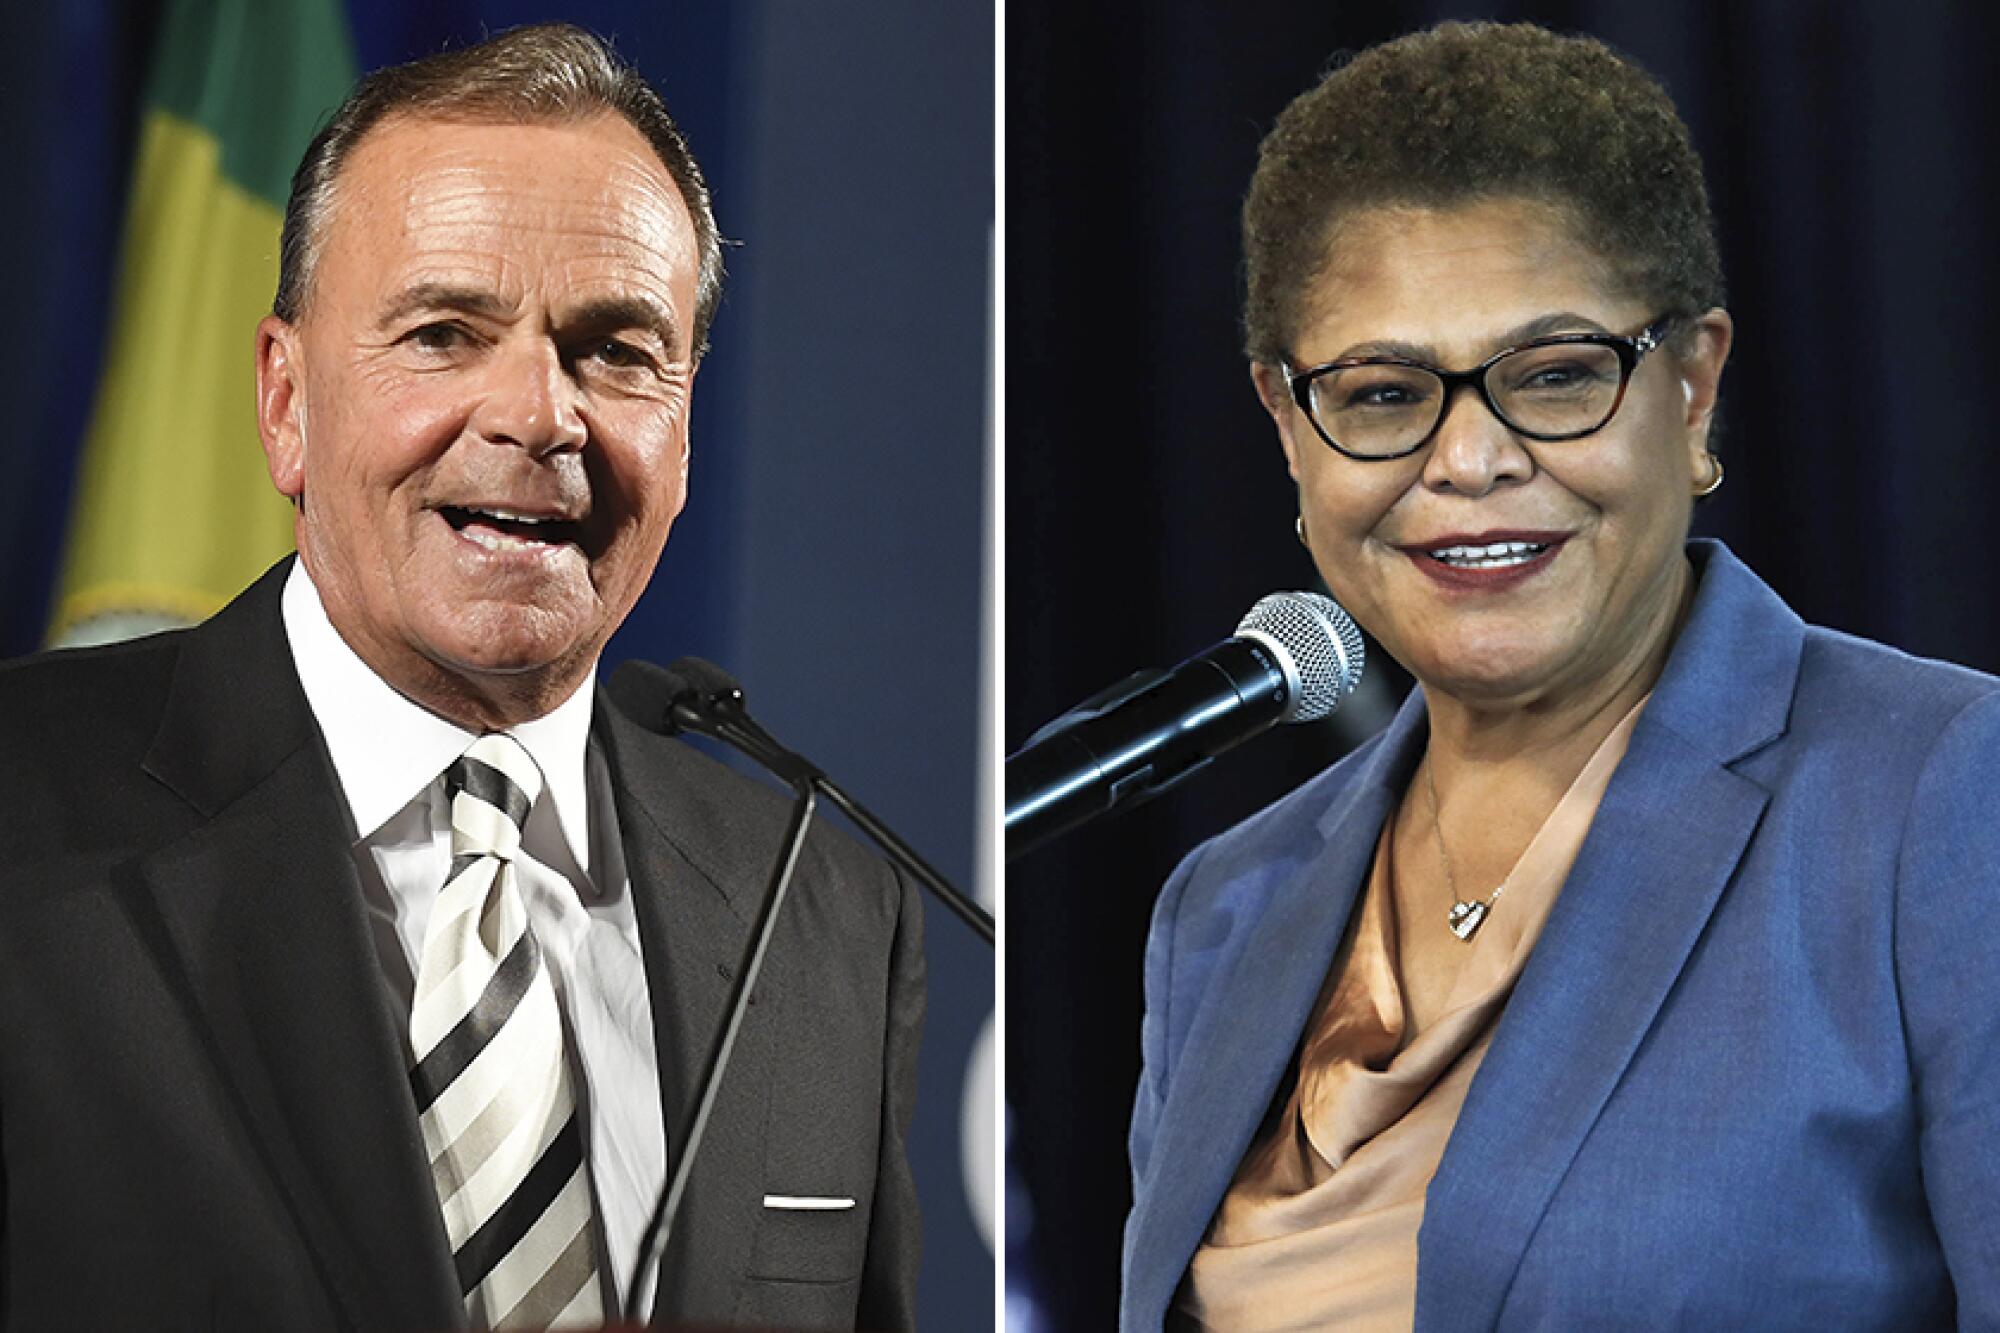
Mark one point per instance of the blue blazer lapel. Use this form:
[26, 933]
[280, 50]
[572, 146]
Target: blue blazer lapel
[1246, 1030]
[1667, 837]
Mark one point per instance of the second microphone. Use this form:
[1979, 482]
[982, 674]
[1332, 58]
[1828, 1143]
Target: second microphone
[1294, 657]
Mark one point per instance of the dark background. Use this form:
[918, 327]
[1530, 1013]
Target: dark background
[835, 522]
[1851, 155]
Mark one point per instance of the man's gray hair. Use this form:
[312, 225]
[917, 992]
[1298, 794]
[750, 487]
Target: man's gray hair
[549, 73]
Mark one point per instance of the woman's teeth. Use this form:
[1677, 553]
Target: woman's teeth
[1498, 555]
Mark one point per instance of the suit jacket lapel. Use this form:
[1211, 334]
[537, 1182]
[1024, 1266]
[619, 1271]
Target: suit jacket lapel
[1247, 1028]
[696, 890]
[259, 910]
[1667, 837]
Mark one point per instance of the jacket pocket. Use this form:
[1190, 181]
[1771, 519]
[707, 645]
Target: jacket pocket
[810, 1244]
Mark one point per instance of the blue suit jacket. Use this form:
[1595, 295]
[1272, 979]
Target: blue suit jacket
[1750, 1077]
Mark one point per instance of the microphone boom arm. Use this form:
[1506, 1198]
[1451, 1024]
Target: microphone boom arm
[722, 715]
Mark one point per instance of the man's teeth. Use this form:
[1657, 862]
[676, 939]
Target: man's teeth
[506, 529]
[496, 541]
[1498, 555]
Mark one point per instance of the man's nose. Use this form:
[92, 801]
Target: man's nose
[531, 400]
[1472, 450]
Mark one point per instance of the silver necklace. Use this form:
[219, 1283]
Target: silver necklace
[1465, 918]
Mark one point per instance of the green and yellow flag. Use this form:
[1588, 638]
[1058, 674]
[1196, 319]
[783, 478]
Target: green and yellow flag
[174, 513]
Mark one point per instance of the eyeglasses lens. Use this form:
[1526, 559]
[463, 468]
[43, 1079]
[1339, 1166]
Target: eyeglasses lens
[1552, 390]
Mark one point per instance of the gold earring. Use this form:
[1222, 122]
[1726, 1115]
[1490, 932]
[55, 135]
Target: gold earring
[1714, 482]
[1299, 526]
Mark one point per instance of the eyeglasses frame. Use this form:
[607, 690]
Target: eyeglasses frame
[1629, 350]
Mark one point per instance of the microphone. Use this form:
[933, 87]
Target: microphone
[693, 695]
[698, 696]
[1293, 658]
[666, 700]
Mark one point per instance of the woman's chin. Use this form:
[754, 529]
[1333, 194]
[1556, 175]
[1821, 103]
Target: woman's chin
[1511, 674]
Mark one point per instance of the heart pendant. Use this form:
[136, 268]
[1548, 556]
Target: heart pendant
[1466, 919]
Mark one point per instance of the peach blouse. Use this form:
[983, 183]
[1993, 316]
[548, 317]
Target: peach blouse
[1319, 1228]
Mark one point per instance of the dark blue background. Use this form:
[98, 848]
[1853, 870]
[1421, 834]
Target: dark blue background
[830, 551]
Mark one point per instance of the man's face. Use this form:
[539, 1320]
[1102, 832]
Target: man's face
[483, 411]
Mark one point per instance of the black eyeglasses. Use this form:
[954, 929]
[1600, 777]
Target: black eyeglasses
[1375, 408]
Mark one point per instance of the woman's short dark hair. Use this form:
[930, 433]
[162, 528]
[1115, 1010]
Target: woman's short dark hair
[547, 73]
[1471, 111]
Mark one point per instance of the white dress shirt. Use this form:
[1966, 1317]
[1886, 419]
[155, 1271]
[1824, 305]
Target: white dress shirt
[391, 756]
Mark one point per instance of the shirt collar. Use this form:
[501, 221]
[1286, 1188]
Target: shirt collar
[387, 750]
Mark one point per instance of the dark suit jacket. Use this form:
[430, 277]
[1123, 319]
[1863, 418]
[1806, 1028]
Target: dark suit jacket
[1749, 1079]
[205, 1114]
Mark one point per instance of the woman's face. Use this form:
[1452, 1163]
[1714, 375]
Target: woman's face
[1450, 288]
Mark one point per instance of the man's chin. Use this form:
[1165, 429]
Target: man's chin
[502, 663]
[499, 636]
[501, 676]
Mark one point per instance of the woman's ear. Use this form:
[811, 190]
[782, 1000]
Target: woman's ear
[1276, 395]
[1701, 369]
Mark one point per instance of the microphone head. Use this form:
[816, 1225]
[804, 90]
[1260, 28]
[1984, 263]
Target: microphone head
[705, 676]
[1316, 642]
[672, 699]
[646, 693]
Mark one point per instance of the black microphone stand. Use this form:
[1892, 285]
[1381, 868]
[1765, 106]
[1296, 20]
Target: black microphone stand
[719, 711]
[659, 1228]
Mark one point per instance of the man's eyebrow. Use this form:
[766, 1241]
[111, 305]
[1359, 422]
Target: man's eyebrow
[627, 312]
[441, 296]
[598, 315]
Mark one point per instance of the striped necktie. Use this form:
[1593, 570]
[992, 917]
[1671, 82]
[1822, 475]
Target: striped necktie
[491, 1082]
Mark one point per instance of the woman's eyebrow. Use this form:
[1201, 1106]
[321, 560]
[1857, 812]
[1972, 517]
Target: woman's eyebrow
[1541, 326]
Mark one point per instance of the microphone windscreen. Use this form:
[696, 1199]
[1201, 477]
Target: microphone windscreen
[646, 691]
[1320, 644]
[705, 676]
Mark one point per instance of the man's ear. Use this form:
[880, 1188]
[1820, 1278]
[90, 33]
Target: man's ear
[281, 405]
[1276, 395]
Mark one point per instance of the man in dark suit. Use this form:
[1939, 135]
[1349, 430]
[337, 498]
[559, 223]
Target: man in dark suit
[237, 858]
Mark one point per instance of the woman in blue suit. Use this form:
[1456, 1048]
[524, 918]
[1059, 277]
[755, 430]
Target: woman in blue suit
[1644, 973]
